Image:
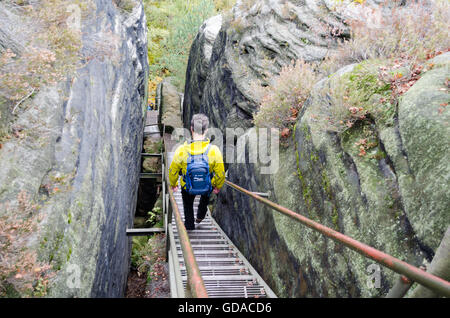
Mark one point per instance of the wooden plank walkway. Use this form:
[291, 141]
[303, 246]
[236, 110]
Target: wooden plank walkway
[224, 269]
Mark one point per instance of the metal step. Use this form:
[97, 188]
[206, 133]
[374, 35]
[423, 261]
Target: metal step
[220, 271]
[203, 242]
[204, 254]
[216, 261]
[230, 267]
[211, 247]
[246, 278]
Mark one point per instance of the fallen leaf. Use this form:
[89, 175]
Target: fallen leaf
[285, 132]
[294, 112]
[362, 151]
[353, 110]
[361, 142]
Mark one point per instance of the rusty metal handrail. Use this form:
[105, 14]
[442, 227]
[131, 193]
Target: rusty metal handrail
[430, 281]
[195, 281]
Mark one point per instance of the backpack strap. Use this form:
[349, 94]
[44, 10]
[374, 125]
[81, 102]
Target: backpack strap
[189, 156]
[207, 149]
[207, 158]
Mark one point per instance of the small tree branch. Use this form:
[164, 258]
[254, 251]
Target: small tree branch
[23, 99]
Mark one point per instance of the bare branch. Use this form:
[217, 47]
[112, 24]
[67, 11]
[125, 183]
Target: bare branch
[23, 99]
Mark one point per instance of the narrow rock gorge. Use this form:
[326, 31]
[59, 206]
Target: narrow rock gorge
[74, 100]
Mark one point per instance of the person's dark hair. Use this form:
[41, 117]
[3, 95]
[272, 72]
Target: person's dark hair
[199, 123]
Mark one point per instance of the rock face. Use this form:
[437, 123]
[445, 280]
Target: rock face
[255, 41]
[423, 127]
[393, 199]
[171, 104]
[80, 158]
[198, 66]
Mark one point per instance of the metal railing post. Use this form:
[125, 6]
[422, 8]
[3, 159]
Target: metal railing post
[195, 284]
[167, 226]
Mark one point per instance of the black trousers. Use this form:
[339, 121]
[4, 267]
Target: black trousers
[188, 205]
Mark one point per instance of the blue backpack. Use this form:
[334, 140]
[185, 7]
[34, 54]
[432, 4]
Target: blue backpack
[198, 178]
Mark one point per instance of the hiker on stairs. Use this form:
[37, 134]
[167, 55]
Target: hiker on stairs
[200, 165]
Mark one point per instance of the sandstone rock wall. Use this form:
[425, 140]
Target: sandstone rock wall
[256, 40]
[198, 67]
[171, 104]
[80, 157]
[395, 200]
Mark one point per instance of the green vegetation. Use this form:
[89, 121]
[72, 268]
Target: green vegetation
[357, 95]
[126, 5]
[21, 274]
[152, 164]
[155, 217]
[4, 118]
[183, 27]
[47, 50]
[283, 100]
[392, 56]
[172, 27]
[414, 33]
[52, 50]
[306, 191]
[148, 255]
[335, 218]
[153, 146]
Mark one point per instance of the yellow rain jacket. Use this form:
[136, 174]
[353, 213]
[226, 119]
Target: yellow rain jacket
[180, 157]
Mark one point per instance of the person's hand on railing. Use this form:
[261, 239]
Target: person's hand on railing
[216, 190]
